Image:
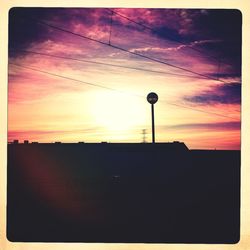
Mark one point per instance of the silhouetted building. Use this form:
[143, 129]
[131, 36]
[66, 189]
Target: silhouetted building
[26, 142]
[15, 142]
[122, 192]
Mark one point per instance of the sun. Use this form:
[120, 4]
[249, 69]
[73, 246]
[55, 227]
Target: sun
[118, 112]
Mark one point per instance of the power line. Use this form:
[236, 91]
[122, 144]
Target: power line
[127, 51]
[199, 110]
[131, 52]
[169, 38]
[115, 65]
[113, 89]
[106, 64]
[110, 30]
[129, 19]
[73, 79]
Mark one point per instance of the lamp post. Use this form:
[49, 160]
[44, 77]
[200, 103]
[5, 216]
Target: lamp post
[152, 98]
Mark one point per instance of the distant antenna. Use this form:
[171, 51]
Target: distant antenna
[144, 133]
[152, 99]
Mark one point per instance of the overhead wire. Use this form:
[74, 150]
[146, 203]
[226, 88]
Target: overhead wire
[113, 89]
[101, 42]
[105, 64]
[169, 38]
[110, 30]
[72, 79]
[127, 51]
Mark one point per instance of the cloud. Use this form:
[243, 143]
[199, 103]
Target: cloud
[168, 26]
[235, 77]
[228, 93]
[175, 48]
[209, 126]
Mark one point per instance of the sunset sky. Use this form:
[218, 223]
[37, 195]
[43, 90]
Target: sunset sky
[84, 74]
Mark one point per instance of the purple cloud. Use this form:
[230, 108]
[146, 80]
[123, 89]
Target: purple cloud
[211, 126]
[228, 93]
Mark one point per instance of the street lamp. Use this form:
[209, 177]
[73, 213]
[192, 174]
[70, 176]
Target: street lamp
[152, 98]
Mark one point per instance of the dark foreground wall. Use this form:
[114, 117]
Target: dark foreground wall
[122, 193]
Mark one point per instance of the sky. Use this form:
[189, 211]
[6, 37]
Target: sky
[80, 74]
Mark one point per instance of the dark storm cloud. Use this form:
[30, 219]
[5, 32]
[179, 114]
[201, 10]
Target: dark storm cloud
[228, 93]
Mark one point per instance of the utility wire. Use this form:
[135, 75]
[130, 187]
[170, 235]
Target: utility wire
[199, 110]
[106, 64]
[110, 31]
[129, 19]
[113, 89]
[169, 38]
[115, 65]
[127, 51]
[73, 79]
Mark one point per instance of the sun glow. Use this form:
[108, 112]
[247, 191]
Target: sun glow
[118, 112]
